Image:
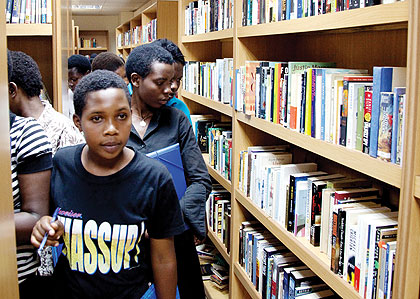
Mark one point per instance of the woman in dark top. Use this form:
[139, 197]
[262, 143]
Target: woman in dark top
[150, 70]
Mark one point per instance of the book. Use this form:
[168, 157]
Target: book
[367, 114]
[300, 278]
[171, 157]
[385, 126]
[385, 79]
[397, 122]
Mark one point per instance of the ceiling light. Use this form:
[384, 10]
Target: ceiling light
[79, 6]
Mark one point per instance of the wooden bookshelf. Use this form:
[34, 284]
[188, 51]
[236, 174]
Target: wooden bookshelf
[166, 26]
[216, 175]
[210, 36]
[215, 105]
[46, 44]
[389, 33]
[219, 245]
[213, 292]
[102, 41]
[318, 262]
[389, 15]
[378, 169]
[29, 29]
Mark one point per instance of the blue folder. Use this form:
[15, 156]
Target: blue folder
[171, 157]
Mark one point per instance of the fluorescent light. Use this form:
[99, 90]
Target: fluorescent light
[80, 6]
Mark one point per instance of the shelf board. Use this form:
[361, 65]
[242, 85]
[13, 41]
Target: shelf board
[378, 169]
[216, 175]
[213, 292]
[209, 36]
[218, 106]
[417, 187]
[318, 262]
[29, 29]
[94, 49]
[219, 245]
[384, 14]
[246, 282]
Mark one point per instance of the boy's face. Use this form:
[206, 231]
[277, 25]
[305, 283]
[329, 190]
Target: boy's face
[74, 77]
[154, 90]
[106, 123]
[176, 82]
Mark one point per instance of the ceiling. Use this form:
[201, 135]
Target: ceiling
[109, 7]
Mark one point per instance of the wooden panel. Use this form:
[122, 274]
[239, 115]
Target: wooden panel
[213, 292]
[29, 29]
[368, 16]
[218, 106]
[209, 36]
[167, 23]
[41, 50]
[8, 273]
[240, 273]
[407, 273]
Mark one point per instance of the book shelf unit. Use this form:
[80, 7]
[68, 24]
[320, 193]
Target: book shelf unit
[361, 38]
[46, 44]
[166, 26]
[102, 41]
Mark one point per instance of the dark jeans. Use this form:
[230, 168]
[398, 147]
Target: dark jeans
[190, 282]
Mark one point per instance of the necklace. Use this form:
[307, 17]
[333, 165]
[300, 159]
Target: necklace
[143, 119]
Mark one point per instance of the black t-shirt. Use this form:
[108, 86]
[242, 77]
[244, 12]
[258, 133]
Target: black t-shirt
[105, 253]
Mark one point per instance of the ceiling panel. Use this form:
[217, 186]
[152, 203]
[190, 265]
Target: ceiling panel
[109, 7]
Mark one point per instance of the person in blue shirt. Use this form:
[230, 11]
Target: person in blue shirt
[178, 68]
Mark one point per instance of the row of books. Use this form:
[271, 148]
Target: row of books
[218, 211]
[29, 11]
[215, 138]
[208, 15]
[329, 210]
[212, 80]
[88, 42]
[341, 106]
[265, 11]
[213, 266]
[273, 269]
[137, 35]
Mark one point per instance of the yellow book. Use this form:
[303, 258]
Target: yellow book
[308, 104]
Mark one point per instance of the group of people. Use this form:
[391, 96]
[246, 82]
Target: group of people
[119, 220]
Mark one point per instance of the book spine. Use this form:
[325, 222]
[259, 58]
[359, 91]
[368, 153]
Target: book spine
[344, 112]
[334, 243]
[323, 112]
[367, 119]
[9, 7]
[291, 210]
[308, 105]
[341, 235]
[313, 103]
[303, 104]
[315, 230]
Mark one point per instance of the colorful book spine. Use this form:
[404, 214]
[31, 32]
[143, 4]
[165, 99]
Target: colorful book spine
[367, 119]
[385, 126]
[396, 122]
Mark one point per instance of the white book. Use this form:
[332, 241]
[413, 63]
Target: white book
[350, 238]
[362, 245]
[318, 104]
[283, 179]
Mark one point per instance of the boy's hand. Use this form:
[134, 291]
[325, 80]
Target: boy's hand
[55, 231]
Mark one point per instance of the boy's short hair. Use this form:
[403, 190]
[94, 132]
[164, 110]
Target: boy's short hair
[25, 74]
[80, 63]
[172, 48]
[107, 61]
[9, 66]
[98, 80]
[142, 57]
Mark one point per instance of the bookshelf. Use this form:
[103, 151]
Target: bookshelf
[46, 44]
[9, 283]
[89, 46]
[389, 33]
[160, 12]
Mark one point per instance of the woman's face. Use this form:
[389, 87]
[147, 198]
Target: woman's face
[154, 90]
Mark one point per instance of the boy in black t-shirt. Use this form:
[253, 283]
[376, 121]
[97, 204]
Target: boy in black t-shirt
[108, 196]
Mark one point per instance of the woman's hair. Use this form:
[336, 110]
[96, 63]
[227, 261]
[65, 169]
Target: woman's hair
[172, 48]
[98, 80]
[107, 61]
[142, 57]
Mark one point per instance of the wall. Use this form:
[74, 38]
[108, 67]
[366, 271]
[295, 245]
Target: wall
[109, 23]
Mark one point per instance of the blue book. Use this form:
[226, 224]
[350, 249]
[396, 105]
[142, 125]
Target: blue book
[151, 293]
[398, 92]
[171, 157]
[384, 80]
